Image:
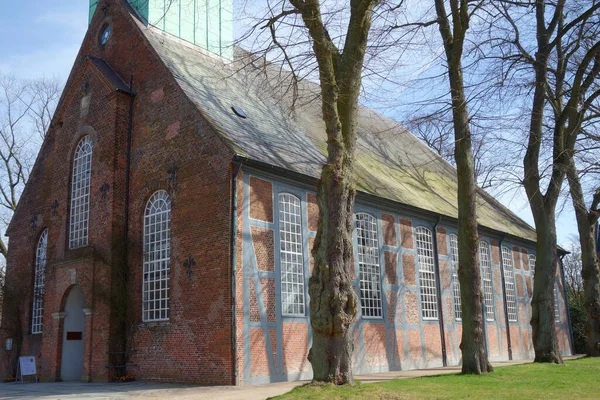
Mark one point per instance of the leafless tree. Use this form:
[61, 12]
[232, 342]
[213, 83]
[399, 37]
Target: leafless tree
[25, 111]
[550, 55]
[453, 28]
[332, 45]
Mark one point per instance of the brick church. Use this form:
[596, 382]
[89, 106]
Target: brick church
[168, 221]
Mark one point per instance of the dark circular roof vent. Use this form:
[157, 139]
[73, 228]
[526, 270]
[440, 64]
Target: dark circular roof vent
[239, 112]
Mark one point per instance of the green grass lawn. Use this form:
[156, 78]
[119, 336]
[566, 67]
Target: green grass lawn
[577, 379]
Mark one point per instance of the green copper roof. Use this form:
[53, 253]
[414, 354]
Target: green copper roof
[391, 162]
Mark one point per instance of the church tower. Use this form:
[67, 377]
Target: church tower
[205, 23]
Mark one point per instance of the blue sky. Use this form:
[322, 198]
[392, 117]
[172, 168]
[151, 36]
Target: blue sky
[42, 38]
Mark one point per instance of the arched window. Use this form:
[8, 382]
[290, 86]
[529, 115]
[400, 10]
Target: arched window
[369, 270]
[486, 275]
[455, 281]
[427, 284]
[509, 284]
[290, 255]
[157, 257]
[80, 194]
[37, 322]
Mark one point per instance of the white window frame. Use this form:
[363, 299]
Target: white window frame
[427, 278]
[291, 255]
[509, 284]
[532, 260]
[486, 275]
[80, 194]
[37, 310]
[369, 268]
[455, 281]
[157, 258]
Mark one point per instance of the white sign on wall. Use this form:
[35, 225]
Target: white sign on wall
[27, 367]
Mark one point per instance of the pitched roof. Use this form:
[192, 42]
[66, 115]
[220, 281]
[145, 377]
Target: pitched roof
[391, 162]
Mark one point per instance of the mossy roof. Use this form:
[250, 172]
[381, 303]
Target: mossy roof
[391, 162]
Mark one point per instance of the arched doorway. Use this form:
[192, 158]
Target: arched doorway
[73, 329]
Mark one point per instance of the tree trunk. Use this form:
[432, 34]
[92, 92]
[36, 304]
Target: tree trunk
[474, 356]
[475, 360]
[333, 305]
[545, 341]
[590, 270]
[333, 301]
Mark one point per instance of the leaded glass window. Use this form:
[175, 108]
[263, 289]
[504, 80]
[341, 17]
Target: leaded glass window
[455, 281]
[369, 269]
[37, 322]
[532, 268]
[486, 275]
[291, 255]
[509, 284]
[157, 257]
[80, 194]
[427, 282]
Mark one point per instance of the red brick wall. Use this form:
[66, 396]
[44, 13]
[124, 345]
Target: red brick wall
[167, 129]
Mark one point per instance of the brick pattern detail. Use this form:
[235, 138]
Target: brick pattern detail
[374, 341]
[399, 337]
[254, 310]
[406, 234]
[523, 314]
[497, 281]
[495, 252]
[525, 259]
[442, 241]
[259, 362]
[295, 347]
[262, 239]
[515, 338]
[412, 308]
[313, 211]
[261, 199]
[391, 303]
[415, 355]
[529, 287]
[408, 269]
[431, 332]
[268, 297]
[516, 257]
[492, 339]
[388, 226]
[391, 260]
[519, 281]
[445, 275]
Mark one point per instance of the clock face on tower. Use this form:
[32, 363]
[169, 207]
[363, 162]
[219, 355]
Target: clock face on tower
[104, 35]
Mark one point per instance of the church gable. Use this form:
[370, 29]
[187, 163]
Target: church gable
[89, 92]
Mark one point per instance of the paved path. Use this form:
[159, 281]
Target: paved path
[149, 390]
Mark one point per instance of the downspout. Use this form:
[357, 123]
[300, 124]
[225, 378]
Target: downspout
[128, 168]
[126, 222]
[439, 292]
[562, 278]
[234, 227]
[506, 321]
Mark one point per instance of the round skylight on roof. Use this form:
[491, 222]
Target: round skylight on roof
[239, 112]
